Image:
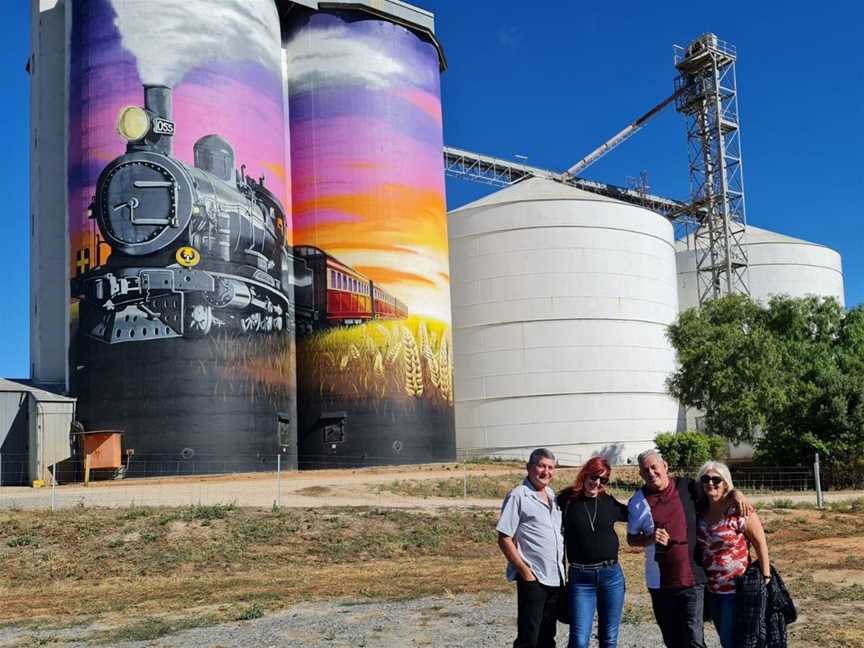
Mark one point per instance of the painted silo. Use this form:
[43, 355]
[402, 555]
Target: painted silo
[374, 345]
[181, 268]
[561, 300]
[778, 265]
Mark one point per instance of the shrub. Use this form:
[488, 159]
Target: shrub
[690, 449]
[254, 610]
[21, 541]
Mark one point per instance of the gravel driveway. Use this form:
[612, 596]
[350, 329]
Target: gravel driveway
[478, 621]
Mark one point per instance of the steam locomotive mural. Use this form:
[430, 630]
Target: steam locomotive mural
[181, 310]
[193, 249]
[199, 249]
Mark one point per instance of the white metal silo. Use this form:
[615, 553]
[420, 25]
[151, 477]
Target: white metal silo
[778, 265]
[561, 299]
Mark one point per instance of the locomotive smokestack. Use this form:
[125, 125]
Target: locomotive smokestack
[159, 101]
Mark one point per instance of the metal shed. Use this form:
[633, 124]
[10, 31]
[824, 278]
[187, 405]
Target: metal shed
[34, 432]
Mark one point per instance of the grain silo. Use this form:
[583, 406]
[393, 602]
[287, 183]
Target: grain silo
[374, 355]
[561, 299]
[182, 303]
[778, 265]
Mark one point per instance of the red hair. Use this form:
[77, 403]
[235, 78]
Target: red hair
[594, 466]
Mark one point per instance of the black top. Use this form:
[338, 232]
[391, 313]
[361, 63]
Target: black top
[584, 544]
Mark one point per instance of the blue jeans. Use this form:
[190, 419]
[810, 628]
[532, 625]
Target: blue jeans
[723, 616]
[600, 590]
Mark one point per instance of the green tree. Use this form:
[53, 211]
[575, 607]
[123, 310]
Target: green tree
[729, 365]
[794, 368]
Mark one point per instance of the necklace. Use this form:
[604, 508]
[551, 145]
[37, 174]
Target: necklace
[591, 519]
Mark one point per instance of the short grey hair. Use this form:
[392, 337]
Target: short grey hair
[538, 454]
[647, 453]
[719, 467]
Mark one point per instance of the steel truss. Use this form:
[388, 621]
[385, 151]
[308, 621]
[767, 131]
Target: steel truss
[709, 102]
[501, 173]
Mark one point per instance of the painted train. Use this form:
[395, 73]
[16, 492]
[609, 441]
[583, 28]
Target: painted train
[195, 250]
[339, 295]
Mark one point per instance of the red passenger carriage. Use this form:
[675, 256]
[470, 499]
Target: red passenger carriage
[342, 295]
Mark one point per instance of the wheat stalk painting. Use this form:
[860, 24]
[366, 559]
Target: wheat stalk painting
[386, 364]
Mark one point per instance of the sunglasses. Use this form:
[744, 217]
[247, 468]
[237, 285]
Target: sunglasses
[599, 478]
[714, 479]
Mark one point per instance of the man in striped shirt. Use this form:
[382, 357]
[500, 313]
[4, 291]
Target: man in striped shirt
[529, 536]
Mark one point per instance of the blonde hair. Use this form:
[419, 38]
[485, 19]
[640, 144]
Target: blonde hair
[719, 467]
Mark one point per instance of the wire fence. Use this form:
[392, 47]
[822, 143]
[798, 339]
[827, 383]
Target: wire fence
[273, 481]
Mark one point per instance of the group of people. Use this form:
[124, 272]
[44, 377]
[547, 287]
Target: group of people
[696, 534]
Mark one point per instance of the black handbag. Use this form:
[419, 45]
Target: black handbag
[562, 606]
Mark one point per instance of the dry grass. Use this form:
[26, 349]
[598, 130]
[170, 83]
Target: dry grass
[141, 562]
[489, 486]
[146, 572]
[814, 551]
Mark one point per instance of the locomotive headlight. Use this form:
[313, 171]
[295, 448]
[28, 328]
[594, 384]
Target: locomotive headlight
[133, 123]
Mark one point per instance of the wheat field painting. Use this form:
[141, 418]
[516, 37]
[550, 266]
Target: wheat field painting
[384, 363]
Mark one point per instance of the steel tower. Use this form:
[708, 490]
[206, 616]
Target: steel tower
[707, 97]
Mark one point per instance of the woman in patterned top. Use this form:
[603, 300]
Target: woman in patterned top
[724, 538]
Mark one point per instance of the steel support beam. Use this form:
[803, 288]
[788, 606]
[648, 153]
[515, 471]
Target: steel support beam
[707, 97]
[459, 163]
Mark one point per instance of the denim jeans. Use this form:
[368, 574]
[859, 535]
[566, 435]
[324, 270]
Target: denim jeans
[600, 590]
[723, 616]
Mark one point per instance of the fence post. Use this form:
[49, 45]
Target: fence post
[278, 481]
[818, 482]
[53, 485]
[465, 479]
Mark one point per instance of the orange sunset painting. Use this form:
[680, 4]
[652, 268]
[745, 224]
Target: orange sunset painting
[367, 187]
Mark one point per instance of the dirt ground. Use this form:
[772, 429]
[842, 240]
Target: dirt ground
[293, 489]
[132, 562]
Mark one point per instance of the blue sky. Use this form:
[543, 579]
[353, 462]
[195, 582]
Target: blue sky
[551, 81]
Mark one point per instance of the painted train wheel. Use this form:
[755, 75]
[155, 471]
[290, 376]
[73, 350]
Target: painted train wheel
[197, 319]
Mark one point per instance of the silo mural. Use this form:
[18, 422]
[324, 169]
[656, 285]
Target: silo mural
[182, 270]
[374, 346]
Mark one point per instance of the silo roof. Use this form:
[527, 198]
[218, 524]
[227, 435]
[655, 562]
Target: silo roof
[408, 15]
[757, 236]
[534, 189]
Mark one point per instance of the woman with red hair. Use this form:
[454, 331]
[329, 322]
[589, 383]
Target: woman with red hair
[595, 581]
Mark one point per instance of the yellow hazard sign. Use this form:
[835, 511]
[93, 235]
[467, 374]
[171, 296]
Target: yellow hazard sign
[188, 256]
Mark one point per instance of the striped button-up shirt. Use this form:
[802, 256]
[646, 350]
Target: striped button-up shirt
[535, 526]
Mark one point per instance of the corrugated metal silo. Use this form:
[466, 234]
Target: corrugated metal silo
[182, 304]
[778, 265]
[561, 299]
[374, 366]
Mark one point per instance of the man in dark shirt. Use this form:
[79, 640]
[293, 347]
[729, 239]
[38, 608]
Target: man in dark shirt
[662, 517]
